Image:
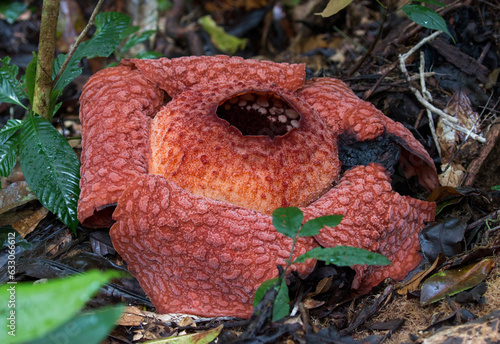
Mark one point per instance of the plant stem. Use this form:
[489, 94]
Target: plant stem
[290, 260]
[78, 41]
[46, 50]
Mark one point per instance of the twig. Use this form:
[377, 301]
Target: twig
[447, 119]
[77, 42]
[427, 95]
[372, 46]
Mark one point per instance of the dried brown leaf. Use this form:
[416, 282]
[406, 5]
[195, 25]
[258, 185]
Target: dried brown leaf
[27, 224]
[459, 107]
[412, 285]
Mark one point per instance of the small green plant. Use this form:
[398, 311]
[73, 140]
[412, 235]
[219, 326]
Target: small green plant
[421, 15]
[426, 17]
[288, 221]
[48, 162]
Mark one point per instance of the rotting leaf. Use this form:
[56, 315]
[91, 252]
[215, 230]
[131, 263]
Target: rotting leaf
[223, 41]
[449, 139]
[444, 196]
[460, 107]
[413, 284]
[30, 220]
[15, 195]
[473, 295]
[444, 236]
[333, 7]
[451, 282]
[484, 330]
[204, 337]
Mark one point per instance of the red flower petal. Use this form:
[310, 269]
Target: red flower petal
[196, 255]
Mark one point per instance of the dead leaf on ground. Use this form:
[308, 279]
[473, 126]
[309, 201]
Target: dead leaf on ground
[446, 195]
[321, 287]
[15, 195]
[29, 221]
[451, 282]
[484, 330]
[414, 283]
[334, 6]
[133, 316]
[449, 139]
[444, 236]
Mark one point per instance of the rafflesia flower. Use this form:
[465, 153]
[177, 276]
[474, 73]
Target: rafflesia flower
[188, 158]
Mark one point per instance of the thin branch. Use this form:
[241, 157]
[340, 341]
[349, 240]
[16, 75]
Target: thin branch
[374, 43]
[447, 119]
[428, 96]
[80, 38]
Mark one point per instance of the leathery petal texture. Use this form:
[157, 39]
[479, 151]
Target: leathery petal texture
[194, 179]
[195, 255]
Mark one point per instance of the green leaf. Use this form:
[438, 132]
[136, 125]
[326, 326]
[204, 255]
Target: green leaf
[110, 26]
[54, 106]
[12, 10]
[281, 306]
[51, 168]
[262, 289]
[287, 221]
[9, 142]
[426, 17]
[129, 31]
[136, 39]
[8, 155]
[86, 328]
[11, 89]
[333, 7]
[9, 129]
[312, 227]
[496, 187]
[43, 307]
[164, 5]
[223, 41]
[344, 256]
[30, 77]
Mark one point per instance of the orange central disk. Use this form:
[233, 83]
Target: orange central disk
[255, 146]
